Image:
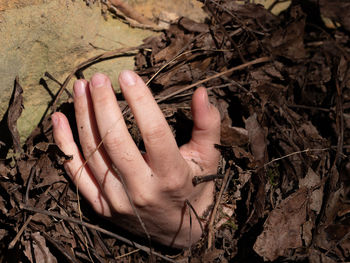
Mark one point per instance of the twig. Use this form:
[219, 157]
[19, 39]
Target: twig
[133, 206]
[103, 56]
[339, 121]
[190, 232]
[294, 153]
[206, 178]
[229, 38]
[48, 75]
[20, 232]
[29, 183]
[195, 213]
[97, 228]
[180, 55]
[57, 246]
[242, 66]
[215, 209]
[308, 107]
[127, 254]
[345, 237]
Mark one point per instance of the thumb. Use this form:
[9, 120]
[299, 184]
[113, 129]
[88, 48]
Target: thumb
[206, 118]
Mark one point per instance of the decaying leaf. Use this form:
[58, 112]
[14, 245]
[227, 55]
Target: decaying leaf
[3, 233]
[42, 253]
[14, 112]
[313, 180]
[337, 10]
[234, 136]
[282, 154]
[257, 139]
[283, 227]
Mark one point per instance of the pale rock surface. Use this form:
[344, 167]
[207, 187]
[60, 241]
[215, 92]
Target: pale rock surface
[55, 36]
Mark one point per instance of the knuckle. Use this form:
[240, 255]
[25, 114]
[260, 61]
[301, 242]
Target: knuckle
[155, 134]
[175, 183]
[112, 144]
[101, 98]
[125, 210]
[140, 97]
[142, 200]
[88, 149]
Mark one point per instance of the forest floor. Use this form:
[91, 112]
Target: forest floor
[282, 85]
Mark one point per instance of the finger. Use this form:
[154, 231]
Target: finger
[206, 119]
[116, 139]
[162, 151]
[206, 130]
[94, 152]
[75, 168]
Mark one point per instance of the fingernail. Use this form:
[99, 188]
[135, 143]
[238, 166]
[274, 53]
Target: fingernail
[98, 80]
[127, 78]
[206, 98]
[55, 120]
[79, 88]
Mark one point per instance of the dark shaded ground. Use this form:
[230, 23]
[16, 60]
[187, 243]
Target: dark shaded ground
[282, 85]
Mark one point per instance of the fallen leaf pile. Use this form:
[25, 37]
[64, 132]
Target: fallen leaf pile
[282, 85]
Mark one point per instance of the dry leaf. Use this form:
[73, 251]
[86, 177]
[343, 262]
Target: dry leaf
[42, 253]
[234, 136]
[14, 112]
[311, 180]
[257, 139]
[283, 227]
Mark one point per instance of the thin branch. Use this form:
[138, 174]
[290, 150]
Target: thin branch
[180, 55]
[195, 213]
[107, 55]
[127, 254]
[240, 67]
[97, 228]
[206, 178]
[294, 153]
[215, 209]
[133, 206]
[20, 232]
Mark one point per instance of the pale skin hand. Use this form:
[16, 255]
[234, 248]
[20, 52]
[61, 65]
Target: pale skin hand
[158, 181]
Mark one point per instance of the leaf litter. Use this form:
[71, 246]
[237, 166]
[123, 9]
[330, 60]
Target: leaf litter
[282, 86]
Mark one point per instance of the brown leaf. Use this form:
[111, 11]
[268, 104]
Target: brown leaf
[257, 139]
[289, 41]
[28, 250]
[234, 136]
[338, 10]
[258, 145]
[3, 233]
[24, 168]
[47, 172]
[311, 180]
[282, 229]
[14, 112]
[42, 253]
[2, 205]
[193, 26]
[212, 256]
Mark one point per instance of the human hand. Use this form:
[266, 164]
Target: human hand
[159, 181]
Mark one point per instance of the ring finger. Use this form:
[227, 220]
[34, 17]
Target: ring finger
[94, 152]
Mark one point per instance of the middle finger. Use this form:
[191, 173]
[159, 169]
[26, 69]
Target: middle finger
[117, 140]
